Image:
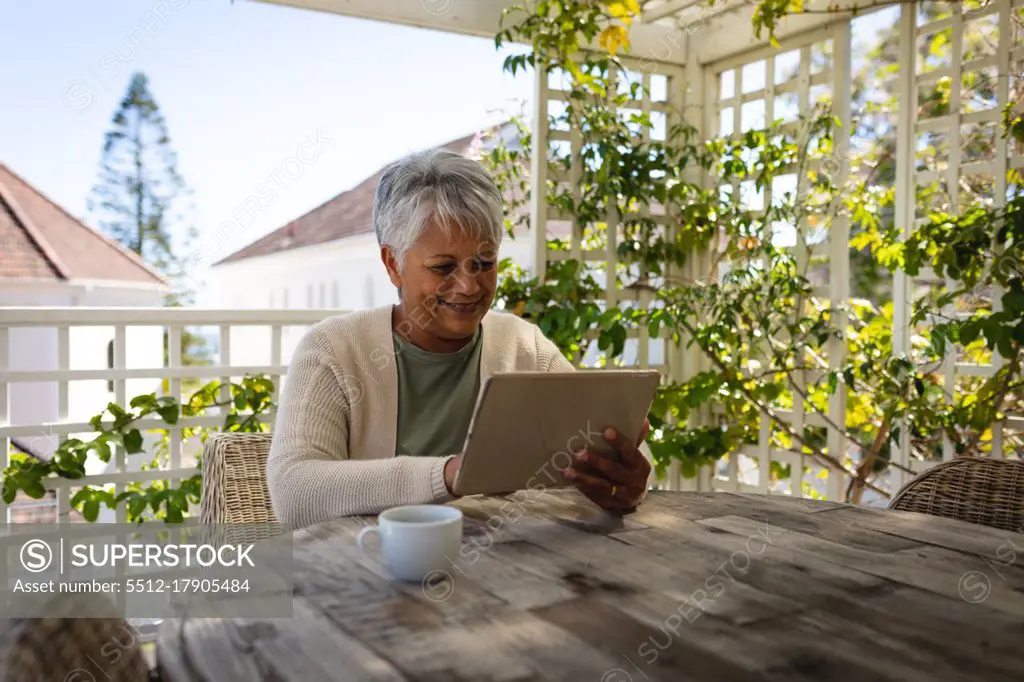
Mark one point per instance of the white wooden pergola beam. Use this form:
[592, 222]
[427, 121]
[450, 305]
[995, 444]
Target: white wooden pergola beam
[731, 32]
[481, 18]
[667, 9]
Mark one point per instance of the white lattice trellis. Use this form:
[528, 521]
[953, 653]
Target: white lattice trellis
[748, 92]
[662, 97]
[756, 85]
[948, 108]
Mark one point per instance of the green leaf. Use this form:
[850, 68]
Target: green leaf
[1004, 344]
[1013, 301]
[133, 441]
[102, 449]
[147, 401]
[993, 331]
[81, 496]
[10, 490]
[33, 488]
[618, 334]
[170, 413]
[106, 497]
[970, 331]
[136, 506]
[174, 515]
[91, 510]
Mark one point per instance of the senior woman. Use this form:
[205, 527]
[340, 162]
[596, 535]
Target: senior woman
[377, 403]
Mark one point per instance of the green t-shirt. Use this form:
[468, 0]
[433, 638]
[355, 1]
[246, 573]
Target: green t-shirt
[436, 396]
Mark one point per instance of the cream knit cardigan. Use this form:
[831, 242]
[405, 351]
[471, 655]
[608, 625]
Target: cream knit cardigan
[333, 449]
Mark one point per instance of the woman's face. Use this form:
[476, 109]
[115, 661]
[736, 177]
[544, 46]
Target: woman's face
[447, 284]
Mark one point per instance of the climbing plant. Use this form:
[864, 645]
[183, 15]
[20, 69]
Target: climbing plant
[770, 343]
[242, 404]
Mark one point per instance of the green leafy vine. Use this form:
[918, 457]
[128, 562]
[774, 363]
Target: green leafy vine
[118, 427]
[698, 259]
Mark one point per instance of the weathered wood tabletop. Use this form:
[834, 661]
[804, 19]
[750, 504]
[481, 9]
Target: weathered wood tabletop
[693, 586]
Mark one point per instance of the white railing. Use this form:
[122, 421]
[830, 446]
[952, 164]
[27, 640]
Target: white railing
[49, 351]
[58, 366]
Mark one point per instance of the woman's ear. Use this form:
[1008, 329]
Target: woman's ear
[387, 256]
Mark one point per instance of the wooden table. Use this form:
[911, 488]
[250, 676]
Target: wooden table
[693, 586]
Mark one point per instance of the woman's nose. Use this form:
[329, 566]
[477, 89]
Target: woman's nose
[466, 280]
[467, 284]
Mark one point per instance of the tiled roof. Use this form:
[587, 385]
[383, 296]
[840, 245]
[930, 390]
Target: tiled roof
[348, 214]
[39, 239]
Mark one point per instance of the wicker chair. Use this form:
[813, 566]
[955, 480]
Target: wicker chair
[61, 646]
[235, 483]
[981, 490]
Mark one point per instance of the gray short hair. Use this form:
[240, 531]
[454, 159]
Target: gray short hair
[436, 185]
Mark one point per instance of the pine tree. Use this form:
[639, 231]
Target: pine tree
[139, 186]
[139, 193]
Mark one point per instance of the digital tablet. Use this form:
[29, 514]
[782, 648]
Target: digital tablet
[527, 424]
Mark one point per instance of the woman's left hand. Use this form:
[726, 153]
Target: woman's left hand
[614, 486]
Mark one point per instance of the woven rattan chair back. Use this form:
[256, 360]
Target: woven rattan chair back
[981, 490]
[235, 479]
[64, 647]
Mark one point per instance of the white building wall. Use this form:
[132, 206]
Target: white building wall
[32, 349]
[343, 275]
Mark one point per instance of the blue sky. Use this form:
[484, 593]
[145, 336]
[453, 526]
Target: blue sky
[243, 86]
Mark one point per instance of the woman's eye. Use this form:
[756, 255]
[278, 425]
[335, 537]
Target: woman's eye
[471, 266]
[475, 266]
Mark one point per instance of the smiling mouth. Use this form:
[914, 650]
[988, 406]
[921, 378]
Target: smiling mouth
[460, 307]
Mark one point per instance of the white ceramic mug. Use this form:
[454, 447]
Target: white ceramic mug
[417, 540]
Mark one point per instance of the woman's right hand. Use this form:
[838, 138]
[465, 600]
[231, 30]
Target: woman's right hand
[451, 470]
